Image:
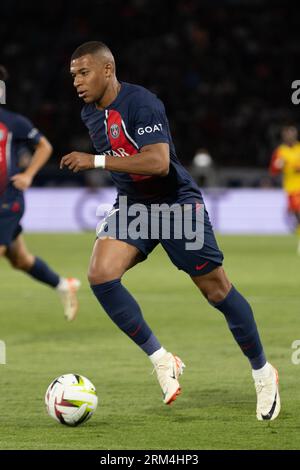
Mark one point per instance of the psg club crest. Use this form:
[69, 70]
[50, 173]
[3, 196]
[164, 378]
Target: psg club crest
[115, 131]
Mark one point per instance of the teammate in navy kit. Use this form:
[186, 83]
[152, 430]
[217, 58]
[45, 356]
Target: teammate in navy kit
[15, 132]
[130, 132]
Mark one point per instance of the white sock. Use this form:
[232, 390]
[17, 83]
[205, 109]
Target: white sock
[262, 373]
[157, 355]
[63, 284]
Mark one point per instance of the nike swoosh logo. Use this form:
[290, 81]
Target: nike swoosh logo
[270, 414]
[198, 268]
[174, 374]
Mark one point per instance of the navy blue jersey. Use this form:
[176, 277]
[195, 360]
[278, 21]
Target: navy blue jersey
[15, 131]
[134, 119]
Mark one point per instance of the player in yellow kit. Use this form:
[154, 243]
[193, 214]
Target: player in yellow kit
[286, 160]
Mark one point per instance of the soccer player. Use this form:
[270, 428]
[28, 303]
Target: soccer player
[15, 132]
[286, 160]
[130, 132]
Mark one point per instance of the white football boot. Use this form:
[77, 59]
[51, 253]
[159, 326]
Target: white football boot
[268, 399]
[168, 369]
[67, 289]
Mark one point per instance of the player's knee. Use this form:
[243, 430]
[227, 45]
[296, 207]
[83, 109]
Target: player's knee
[216, 290]
[102, 273]
[216, 294]
[23, 263]
[214, 286]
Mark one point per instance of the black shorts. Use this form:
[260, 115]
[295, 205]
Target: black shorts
[195, 260]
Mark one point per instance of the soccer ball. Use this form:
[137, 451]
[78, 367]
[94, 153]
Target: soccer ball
[71, 399]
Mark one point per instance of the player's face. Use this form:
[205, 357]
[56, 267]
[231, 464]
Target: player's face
[289, 135]
[90, 77]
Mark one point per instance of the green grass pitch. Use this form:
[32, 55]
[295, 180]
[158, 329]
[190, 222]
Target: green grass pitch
[217, 407]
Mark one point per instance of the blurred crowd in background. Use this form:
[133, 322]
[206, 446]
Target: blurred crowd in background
[223, 69]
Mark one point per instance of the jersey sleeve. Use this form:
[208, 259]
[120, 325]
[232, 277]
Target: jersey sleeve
[25, 131]
[151, 124]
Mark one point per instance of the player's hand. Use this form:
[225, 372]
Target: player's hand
[77, 161]
[21, 181]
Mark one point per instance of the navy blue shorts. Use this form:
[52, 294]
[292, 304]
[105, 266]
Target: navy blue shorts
[194, 258]
[10, 216]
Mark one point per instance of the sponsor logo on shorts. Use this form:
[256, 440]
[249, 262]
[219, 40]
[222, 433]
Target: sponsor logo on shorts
[201, 266]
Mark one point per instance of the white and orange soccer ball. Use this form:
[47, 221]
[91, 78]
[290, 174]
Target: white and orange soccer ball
[71, 399]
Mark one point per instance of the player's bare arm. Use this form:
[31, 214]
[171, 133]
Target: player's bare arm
[42, 153]
[151, 160]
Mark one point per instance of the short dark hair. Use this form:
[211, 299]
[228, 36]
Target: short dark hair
[3, 73]
[91, 47]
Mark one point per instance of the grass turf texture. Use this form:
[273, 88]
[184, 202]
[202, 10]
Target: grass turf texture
[217, 407]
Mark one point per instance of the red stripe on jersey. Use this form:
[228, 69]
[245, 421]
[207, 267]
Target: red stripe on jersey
[118, 139]
[3, 157]
[275, 166]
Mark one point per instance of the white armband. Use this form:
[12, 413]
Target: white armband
[99, 161]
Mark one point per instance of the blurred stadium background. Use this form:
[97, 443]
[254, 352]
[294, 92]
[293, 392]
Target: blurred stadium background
[223, 69]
